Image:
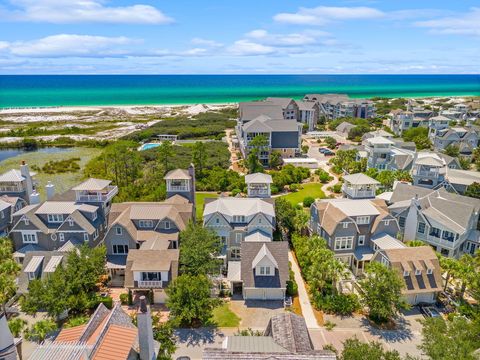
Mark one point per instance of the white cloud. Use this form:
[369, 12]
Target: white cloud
[206, 42]
[294, 39]
[76, 11]
[323, 15]
[71, 45]
[466, 24]
[247, 47]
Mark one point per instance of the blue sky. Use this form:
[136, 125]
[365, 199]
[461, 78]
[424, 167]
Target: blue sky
[239, 37]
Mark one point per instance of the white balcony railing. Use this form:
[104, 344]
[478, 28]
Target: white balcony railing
[98, 197]
[177, 188]
[11, 189]
[439, 241]
[356, 193]
[150, 284]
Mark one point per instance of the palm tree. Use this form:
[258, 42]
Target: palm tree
[448, 265]
[300, 222]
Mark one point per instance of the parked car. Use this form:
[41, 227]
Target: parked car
[323, 150]
[329, 153]
[430, 311]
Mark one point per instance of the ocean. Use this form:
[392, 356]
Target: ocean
[76, 90]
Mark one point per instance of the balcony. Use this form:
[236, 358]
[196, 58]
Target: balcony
[15, 189]
[149, 284]
[438, 241]
[177, 188]
[358, 193]
[100, 196]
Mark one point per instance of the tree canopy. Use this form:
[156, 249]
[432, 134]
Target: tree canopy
[382, 292]
[199, 249]
[8, 271]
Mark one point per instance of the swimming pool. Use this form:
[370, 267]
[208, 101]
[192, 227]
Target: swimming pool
[148, 146]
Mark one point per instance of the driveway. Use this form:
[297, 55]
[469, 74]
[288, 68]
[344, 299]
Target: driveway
[255, 314]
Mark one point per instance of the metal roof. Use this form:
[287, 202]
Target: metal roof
[92, 184]
[261, 344]
[34, 264]
[53, 263]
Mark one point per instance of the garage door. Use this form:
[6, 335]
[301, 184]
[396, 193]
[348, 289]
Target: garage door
[159, 296]
[425, 298]
[254, 294]
[263, 294]
[410, 299]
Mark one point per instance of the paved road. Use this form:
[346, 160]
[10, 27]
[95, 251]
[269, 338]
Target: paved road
[307, 310]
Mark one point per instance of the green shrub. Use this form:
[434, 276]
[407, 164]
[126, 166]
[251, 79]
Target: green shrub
[342, 304]
[130, 297]
[76, 321]
[292, 288]
[105, 300]
[124, 298]
[294, 187]
[329, 325]
[308, 201]
[235, 192]
[337, 188]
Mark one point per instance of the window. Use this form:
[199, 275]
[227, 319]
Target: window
[259, 220]
[344, 243]
[238, 237]
[406, 273]
[429, 271]
[265, 270]
[145, 223]
[386, 222]
[435, 232]
[95, 234]
[85, 237]
[345, 225]
[418, 272]
[421, 228]
[363, 220]
[217, 221]
[26, 221]
[167, 225]
[151, 276]
[120, 249]
[70, 221]
[29, 238]
[118, 230]
[447, 235]
[235, 254]
[61, 236]
[55, 218]
[401, 221]
[31, 276]
[384, 261]
[238, 218]
[361, 239]
[94, 216]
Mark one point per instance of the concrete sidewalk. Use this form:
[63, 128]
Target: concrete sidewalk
[307, 310]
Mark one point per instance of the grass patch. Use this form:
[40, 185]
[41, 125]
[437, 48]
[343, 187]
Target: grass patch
[311, 189]
[200, 201]
[62, 181]
[224, 317]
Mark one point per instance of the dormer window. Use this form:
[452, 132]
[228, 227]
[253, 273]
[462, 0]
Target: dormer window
[55, 218]
[145, 224]
[265, 270]
[418, 272]
[406, 273]
[361, 220]
[429, 271]
[238, 218]
[167, 225]
[26, 221]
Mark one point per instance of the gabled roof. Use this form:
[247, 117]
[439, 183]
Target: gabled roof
[92, 185]
[278, 250]
[151, 260]
[264, 123]
[251, 110]
[4, 205]
[344, 126]
[264, 253]
[257, 235]
[280, 101]
[430, 159]
[385, 241]
[13, 175]
[290, 331]
[380, 140]
[231, 206]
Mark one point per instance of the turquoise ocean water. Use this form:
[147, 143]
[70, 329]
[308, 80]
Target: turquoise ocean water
[72, 90]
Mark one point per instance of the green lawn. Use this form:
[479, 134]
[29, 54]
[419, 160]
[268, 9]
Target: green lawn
[224, 317]
[62, 182]
[311, 189]
[200, 200]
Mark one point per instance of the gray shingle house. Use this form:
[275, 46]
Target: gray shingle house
[236, 220]
[142, 240]
[335, 106]
[77, 216]
[443, 220]
[19, 183]
[354, 229]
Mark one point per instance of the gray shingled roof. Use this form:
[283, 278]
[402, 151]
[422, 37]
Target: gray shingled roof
[290, 331]
[251, 110]
[249, 251]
